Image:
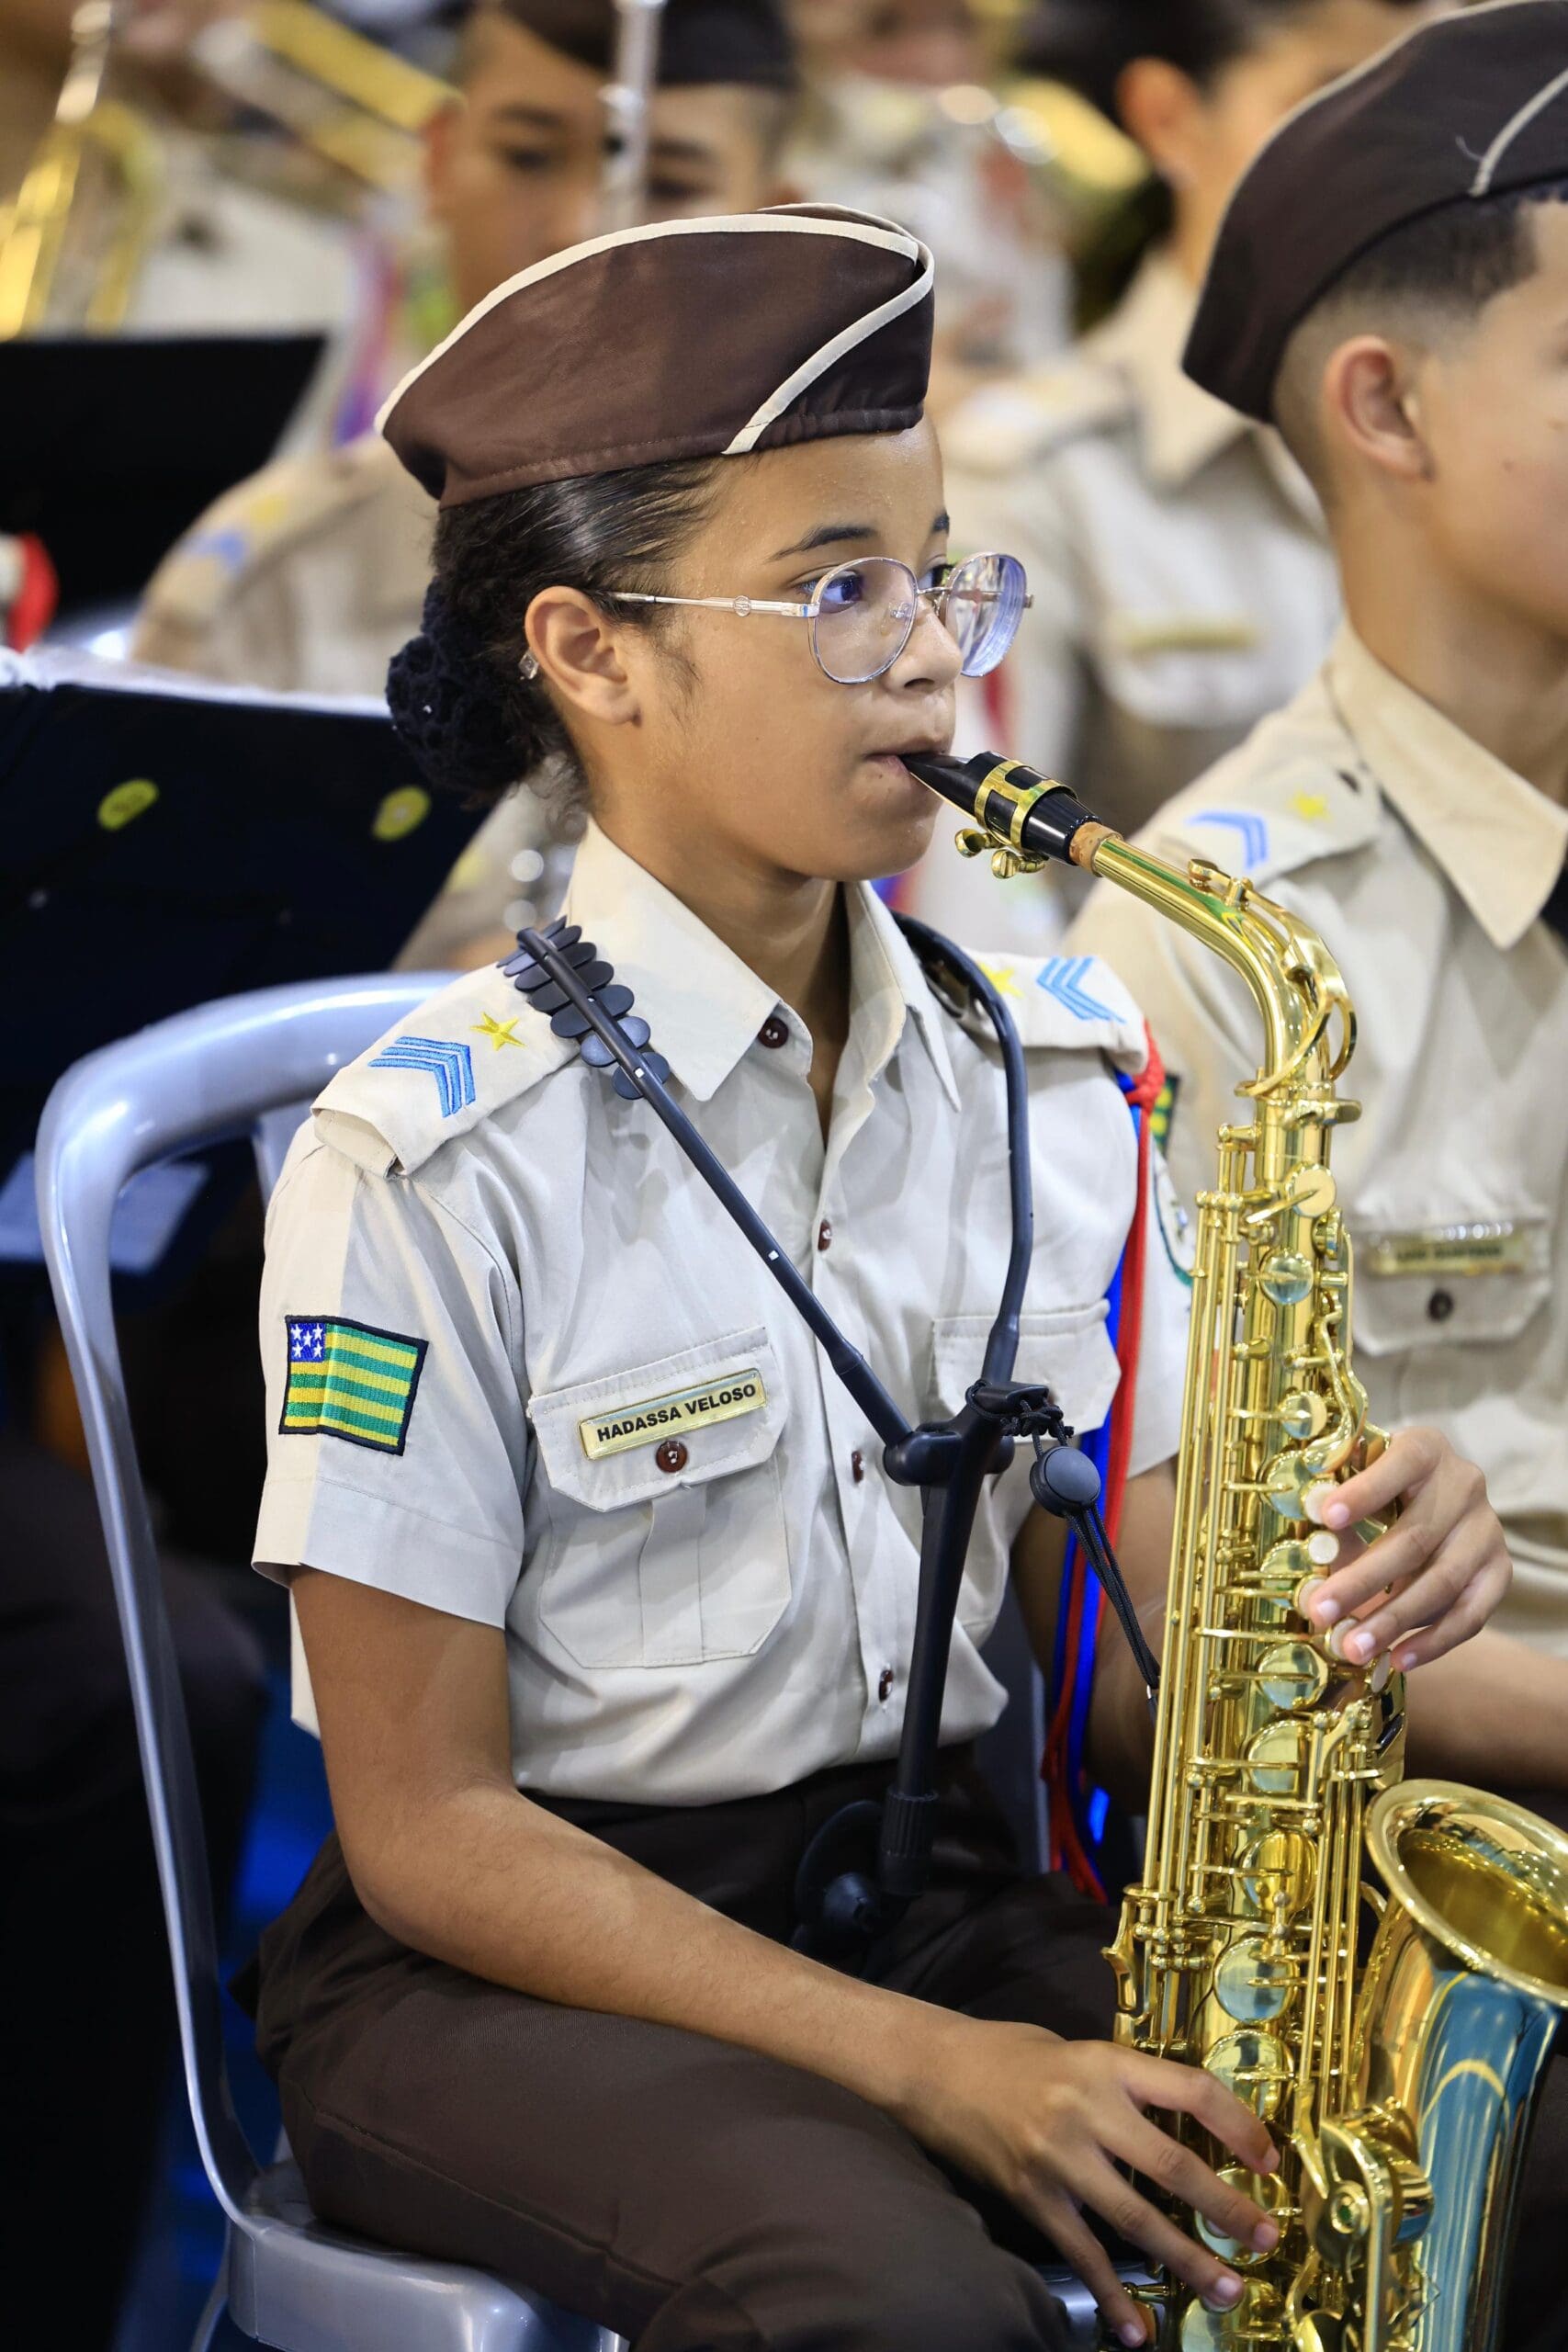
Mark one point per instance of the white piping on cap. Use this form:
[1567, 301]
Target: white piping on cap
[822, 360]
[783, 221]
[1512, 128]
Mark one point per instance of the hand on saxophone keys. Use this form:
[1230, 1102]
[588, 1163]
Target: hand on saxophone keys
[1427, 1582]
[1060, 2126]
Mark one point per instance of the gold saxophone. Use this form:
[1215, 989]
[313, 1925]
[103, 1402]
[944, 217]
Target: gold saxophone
[1399, 2081]
[76, 235]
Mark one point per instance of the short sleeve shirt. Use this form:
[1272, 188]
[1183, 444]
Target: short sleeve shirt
[522, 1369]
[1425, 864]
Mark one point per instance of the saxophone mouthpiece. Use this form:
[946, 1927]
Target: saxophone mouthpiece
[1024, 813]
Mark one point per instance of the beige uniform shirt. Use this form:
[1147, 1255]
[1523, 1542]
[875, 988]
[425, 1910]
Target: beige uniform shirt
[1183, 583]
[521, 1368]
[1425, 864]
[307, 578]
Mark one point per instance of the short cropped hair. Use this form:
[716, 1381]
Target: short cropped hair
[1428, 276]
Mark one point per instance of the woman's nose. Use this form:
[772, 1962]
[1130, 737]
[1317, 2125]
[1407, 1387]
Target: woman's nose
[932, 657]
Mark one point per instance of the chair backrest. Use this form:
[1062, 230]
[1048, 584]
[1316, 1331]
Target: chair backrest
[247, 1065]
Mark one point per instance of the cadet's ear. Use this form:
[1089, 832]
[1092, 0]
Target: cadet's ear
[578, 653]
[1163, 112]
[439, 139]
[1373, 405]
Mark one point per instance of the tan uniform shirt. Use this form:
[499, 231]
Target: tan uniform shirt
[1425, 864]
[307, 578]
[521, 1368]
[1183, 583]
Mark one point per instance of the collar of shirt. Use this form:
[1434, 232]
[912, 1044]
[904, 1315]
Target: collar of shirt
[1500, 841]
[705, 1007]
[1184, 428]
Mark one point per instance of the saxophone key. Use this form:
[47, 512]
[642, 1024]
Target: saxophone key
[1266, 2189]
[1253, 1984]
[1256, 2067]
[1293, 1676]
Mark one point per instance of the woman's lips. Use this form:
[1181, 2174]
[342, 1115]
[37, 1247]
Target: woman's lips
[897, 760]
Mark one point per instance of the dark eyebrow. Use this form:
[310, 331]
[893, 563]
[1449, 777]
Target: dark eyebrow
[683, 150]
[832, 535]
[530, 117]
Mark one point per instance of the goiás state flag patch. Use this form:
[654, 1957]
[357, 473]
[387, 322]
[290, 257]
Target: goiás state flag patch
[350, 1380]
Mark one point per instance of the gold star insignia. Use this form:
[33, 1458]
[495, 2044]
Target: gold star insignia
[1001, 978]
[1310, 804]
[497, 1031]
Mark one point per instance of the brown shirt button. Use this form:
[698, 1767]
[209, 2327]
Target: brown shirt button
[825, 1235]
[773, 1032]
[884, 1685]
[672, 1454]
[1441, 1305]
[857, 1466]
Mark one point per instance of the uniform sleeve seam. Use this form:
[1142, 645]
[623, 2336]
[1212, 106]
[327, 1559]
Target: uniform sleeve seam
[507, 1279]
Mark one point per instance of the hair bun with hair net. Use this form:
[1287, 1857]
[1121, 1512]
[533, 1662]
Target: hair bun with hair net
[441, 691]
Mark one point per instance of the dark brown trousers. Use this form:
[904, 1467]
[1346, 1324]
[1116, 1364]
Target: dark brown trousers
[693, 2197]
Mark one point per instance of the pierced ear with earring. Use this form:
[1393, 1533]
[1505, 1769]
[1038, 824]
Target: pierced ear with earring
[529, 667]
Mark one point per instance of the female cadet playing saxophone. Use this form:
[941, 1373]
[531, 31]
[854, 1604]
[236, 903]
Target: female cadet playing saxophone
[588, 1676]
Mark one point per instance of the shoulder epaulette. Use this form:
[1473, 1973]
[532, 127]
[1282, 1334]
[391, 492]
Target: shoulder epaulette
[463, 1054]
[1071, 1002]
[256, 523]
[1024, 418]
[1280, 802]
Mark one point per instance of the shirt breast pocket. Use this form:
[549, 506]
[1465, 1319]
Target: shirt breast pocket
[1423, 1291]
[1066, 1350]
[666, 1542]
[1183, 670]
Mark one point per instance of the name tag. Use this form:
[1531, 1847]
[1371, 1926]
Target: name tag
[1502, 1248]
[1138, 634]
[624, 1426]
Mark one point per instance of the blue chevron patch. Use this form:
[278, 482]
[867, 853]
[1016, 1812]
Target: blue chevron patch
[1061, 976]
[452, 1067]
[1253, 832]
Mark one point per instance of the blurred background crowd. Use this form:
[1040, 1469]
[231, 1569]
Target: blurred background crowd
[227, 228]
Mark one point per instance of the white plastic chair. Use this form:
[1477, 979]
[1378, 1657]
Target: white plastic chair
[248, 1065]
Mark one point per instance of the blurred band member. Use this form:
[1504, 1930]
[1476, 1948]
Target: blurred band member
[1183, 586]
[1411, 804]
[310, 576]
[898, 121]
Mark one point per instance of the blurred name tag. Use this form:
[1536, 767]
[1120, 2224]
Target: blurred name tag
[1147, 633]
[1456, 1250]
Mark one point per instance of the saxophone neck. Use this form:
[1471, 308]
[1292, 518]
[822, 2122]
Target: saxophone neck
[1025, 819]
[1309, 1023]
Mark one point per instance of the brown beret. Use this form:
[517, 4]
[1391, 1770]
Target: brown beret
[685, 339]
[1471, 106]
[743, 43]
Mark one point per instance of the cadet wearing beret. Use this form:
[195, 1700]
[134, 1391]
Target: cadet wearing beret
[605, 1597]
[308, 577]
[1391, 288]
[1184, 586]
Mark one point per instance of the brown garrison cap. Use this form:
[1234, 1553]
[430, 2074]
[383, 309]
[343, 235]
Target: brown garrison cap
[743, 43]
[1471, 106]
[688, 339]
